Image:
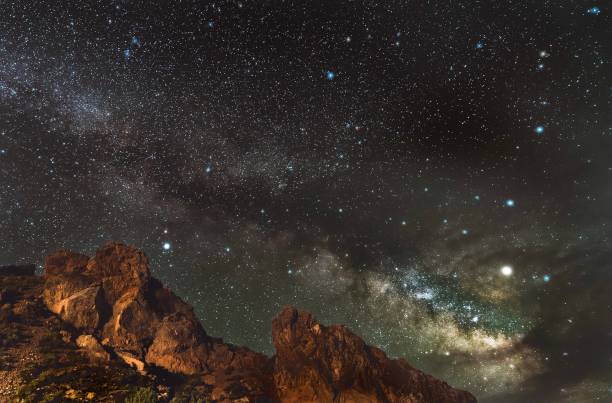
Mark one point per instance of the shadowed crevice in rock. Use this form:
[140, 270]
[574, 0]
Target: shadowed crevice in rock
[113, 299]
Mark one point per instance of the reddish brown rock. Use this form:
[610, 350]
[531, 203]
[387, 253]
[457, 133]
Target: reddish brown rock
[331, 364]
[120, 268]
[90, 345]
[133, 323]
[113, 298]
[64, 262]
[180, 345]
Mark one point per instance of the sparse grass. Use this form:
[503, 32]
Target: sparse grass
[142, 395]
[191, 390]
[70, 377]
[82, 382]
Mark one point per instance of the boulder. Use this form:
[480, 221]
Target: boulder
[133, 323]
[180, 345]
[90, 345]
[120, 268]
[83, 308]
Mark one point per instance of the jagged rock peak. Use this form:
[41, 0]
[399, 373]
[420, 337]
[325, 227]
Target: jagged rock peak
[331, 364]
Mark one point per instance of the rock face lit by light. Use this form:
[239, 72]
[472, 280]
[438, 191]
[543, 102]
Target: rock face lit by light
[506, 270]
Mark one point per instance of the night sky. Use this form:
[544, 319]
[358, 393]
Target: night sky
[437, 175]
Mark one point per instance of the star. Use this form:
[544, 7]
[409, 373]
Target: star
[330, 75]
[510, 203]
[594, 10]
[166, 246]
[506, 270]
[539, 129]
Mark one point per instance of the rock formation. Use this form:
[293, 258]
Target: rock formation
[112, 298]
[316, 363]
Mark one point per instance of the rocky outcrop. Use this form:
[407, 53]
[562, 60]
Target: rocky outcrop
[112, 297]
[316, 363]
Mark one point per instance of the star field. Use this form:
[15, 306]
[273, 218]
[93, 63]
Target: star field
[434, 175]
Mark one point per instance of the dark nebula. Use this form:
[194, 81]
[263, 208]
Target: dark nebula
[435, 175]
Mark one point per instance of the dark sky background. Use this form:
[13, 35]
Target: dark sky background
[434, 174]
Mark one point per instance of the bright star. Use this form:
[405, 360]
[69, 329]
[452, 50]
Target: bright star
[506, 270]
[330, 75]
[510, 203]
[166, 246]
[479, 45]
[546, 278]
[539, 129]
[594, 10]
[464, 231]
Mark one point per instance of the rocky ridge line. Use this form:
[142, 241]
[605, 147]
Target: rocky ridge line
[122, 311]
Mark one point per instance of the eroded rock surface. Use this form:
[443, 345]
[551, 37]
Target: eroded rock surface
[112, 297]
[332, 364]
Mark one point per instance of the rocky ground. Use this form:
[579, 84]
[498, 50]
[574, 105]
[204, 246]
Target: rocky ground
[102, 329]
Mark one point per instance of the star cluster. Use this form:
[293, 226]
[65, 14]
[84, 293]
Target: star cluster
[436, 176]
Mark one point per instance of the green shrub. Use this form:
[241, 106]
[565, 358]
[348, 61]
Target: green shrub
[142, 395]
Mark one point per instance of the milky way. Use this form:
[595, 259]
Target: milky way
[435, 175]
